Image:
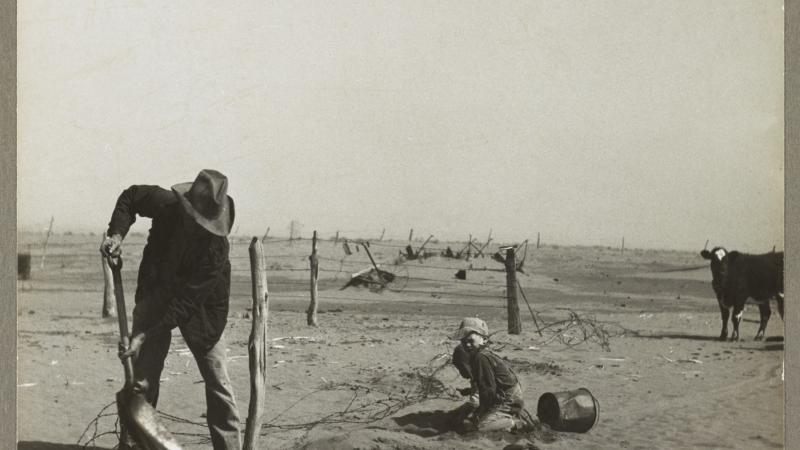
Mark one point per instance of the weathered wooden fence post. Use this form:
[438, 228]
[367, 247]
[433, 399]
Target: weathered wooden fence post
[514, 322]
[336, 239]
[257, 346]
[311, 314]
[537, 239]
[622, 248]
[410, 234]
[382, 234]
[109, 299]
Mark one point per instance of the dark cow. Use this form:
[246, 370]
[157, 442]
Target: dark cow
[739, 276]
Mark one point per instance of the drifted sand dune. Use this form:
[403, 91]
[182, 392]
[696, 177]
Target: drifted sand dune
[374, 374]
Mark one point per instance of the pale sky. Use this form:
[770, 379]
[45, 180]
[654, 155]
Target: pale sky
[660, 121]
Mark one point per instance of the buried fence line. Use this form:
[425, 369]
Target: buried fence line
[137, 255]
[512, 286]
[450, 282]
[457, 282]
[412, 265]
[269, 255]
[130, 274]
[290, 269]
[302, 285]
[446, 293]
[285, 296]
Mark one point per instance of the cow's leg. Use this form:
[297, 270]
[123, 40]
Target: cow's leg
[738, 307]
[724, 311]
[765, 311]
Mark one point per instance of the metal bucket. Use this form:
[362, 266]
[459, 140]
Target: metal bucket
[23, 266]
[576, 411]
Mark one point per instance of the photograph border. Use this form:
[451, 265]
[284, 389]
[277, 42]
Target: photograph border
[791, 217]
[8, 223]
[8, 220]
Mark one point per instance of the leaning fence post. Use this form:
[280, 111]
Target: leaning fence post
[514, 322]
[257, 346]
[535, 322]
[47, 239]
[266, 234]
[109, 300]
[419, 252]
[311, 314]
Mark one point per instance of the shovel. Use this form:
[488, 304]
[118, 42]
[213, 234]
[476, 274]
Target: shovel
[139, 417]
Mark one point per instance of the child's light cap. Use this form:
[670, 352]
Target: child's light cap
[470, 325]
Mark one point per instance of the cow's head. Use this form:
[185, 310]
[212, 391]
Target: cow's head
[718, 257]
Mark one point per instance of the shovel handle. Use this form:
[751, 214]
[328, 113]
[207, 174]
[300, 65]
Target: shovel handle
[115, 263]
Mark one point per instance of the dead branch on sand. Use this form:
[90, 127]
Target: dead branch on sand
[365, 404]
[577, 330]
[368, 404]
[94, 425]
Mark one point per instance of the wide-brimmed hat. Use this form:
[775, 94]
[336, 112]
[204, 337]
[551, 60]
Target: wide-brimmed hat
[470, 325]
[207, 201]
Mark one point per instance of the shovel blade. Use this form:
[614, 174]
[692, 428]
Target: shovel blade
[141, 422]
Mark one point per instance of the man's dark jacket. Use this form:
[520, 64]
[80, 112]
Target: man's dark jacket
[182, 282]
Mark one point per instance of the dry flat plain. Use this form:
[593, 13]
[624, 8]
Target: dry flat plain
[637, 329]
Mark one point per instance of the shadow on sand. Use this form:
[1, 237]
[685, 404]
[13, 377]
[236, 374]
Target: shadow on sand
[36, 445]
[428, 423]
[777, 346]
[691, 337]
[772, 343]
[450, 423]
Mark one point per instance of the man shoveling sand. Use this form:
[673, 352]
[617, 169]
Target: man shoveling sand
[184, 282]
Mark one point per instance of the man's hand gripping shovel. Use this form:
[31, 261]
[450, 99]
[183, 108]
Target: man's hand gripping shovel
[138, 417]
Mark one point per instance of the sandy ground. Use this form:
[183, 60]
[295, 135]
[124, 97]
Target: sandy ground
[373, 375]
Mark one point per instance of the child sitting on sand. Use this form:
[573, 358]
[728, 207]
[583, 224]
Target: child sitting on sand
[498, 389]
[461, 359]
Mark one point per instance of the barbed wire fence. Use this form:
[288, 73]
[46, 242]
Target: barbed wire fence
[287, 268]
